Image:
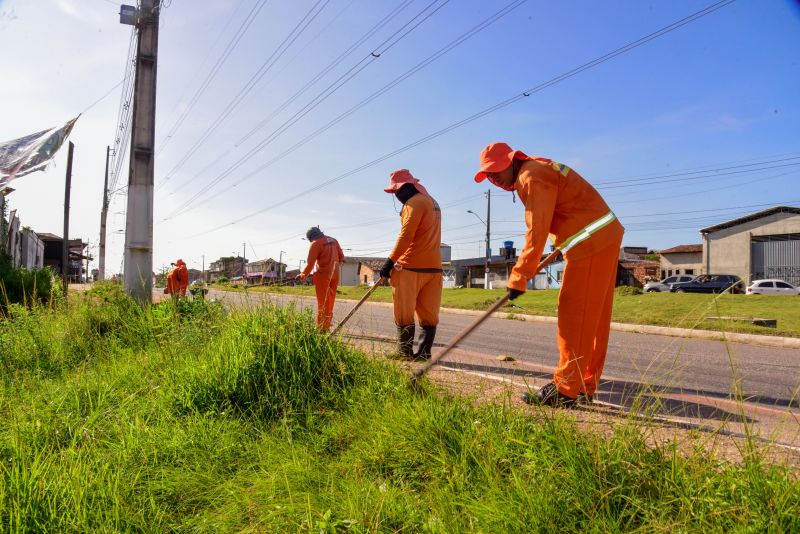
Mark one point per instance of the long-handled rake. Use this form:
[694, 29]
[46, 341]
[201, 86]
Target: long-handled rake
[358, 305]
[419, 373]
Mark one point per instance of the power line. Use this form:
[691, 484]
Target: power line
[500, 105]
[223, 57]
[698, 175]
[298, 30]
[124, 115]
[321, 97]
[407, 74]
[333, 64]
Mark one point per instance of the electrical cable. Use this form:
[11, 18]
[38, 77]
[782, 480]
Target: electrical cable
[321, 97]
[265, 67]
[220, 62]
[500, 105]
[396, 81]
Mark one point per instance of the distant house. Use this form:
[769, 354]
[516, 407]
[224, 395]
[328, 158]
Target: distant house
[369, 271]
[77, 256]
[637, 272]
[632, 253]
[267, 270]
[683, 259]
[228, 267]
[765, 244]
[357, 270]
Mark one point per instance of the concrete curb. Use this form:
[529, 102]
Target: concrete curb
[750, 339]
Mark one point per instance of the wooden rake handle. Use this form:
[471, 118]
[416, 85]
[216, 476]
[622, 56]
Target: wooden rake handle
[419, 373]
[358, 305]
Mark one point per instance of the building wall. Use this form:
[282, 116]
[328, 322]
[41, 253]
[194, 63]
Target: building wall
[32, 253]
[14, 240]
[348, 273]
[681, 262]
[727, 251]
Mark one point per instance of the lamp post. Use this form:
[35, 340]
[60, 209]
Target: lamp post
[488, 249]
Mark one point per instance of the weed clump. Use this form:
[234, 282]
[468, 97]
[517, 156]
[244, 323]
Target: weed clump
[268, 364]
[627, 291]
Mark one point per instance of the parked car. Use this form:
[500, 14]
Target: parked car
[666, 284]
[771, 287]
[711, 283]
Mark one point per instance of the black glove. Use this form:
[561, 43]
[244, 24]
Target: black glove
[513, 293]
[386, 270]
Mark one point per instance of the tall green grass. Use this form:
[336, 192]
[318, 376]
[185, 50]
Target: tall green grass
[183, 417]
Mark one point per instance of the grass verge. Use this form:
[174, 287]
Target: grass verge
[183, 417]
[683, 310]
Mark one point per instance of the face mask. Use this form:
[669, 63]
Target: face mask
[495, 183]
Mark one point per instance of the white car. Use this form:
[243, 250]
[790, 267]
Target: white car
[771, 287]
[666, 284]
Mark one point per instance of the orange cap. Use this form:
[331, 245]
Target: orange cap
[399, 178]
[496, 158]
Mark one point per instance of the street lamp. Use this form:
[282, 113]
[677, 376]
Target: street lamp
[488, 250]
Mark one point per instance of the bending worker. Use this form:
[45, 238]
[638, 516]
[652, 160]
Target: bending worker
[560, 203]
[414, 266]
[177, 279]
[326, 254]
[182, 276]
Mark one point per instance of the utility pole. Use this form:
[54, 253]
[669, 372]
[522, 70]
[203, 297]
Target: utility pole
[65, 239]
[203, 271]
[139, 216]
[101, 267]
[280, 265]
[88, 253]
[488, 242]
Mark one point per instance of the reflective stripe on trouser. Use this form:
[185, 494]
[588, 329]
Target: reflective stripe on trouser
[325, 285]
[417, 294]
[587, 232]
[584, 320]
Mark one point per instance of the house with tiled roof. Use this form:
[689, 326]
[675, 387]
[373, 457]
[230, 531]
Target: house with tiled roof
[682, 259]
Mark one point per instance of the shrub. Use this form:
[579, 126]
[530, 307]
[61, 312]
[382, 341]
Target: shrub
[627, 291]
[23, 286]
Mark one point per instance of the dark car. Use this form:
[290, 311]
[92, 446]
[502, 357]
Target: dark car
[711, 283]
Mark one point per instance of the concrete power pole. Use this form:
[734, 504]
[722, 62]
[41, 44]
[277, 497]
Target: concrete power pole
[101, 261]
[139, 217]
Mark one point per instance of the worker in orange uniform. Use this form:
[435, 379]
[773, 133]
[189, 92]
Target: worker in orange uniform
[560, 203]
[327, 255]
[182, 277]
[177, 279]
[414, 266]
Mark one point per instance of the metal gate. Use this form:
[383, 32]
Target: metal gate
[776, 256]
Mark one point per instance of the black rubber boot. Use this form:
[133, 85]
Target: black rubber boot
[405, 341]
[549, 396]
[426, 338]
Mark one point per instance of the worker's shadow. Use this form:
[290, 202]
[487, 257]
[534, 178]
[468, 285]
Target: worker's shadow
[645, 399]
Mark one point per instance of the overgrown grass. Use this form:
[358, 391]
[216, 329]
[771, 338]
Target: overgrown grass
[183, 417]
[683, 310]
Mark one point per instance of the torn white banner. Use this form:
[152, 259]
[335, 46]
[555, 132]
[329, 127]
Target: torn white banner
[31, 153]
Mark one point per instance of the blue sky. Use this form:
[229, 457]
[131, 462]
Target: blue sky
[719, 92]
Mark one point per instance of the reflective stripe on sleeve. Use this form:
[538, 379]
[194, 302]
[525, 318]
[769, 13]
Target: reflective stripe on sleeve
[587, 232]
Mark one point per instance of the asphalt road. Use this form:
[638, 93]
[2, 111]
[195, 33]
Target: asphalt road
[682, 367]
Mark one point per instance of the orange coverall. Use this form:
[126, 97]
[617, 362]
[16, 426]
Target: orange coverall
[182, 278]
[172, 282]
[418, 249]
[558, 201]
[326, 254]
